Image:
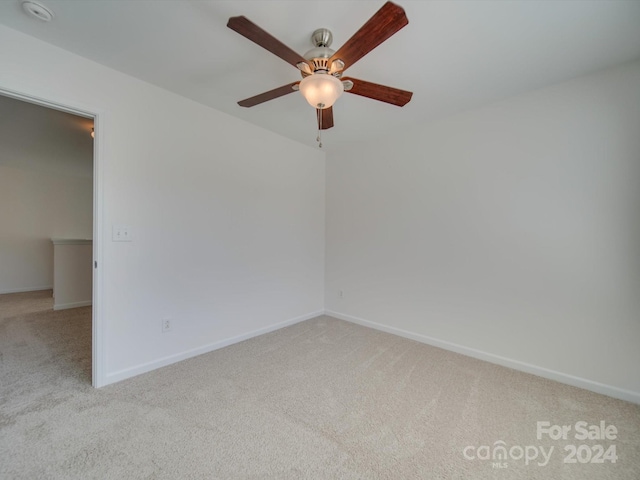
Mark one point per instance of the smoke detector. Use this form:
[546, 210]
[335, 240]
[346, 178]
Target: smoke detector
[37, 10]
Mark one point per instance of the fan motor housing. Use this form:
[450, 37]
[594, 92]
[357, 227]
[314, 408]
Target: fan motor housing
[321, 53]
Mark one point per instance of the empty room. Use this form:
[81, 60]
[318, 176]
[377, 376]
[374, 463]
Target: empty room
[320, 239]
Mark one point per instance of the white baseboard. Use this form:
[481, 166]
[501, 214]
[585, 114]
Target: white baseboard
[574, 381]
[26, 289]
[163, 362]
[65, 306]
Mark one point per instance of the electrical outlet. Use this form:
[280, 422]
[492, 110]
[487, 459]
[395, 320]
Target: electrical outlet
[166, 325]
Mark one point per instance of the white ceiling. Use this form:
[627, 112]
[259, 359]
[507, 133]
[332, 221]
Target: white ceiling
[454, 55]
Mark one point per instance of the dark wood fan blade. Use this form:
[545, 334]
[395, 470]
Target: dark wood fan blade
[395, 96]
[266, 96]
[384, 23]
[253, 32]
[325, 118]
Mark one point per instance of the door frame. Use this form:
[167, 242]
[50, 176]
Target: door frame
[97, 318]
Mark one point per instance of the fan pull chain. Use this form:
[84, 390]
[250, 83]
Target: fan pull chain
[319, 137]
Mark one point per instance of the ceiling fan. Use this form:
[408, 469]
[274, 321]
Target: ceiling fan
[322, 68]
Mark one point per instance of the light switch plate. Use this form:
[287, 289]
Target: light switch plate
[121, 233]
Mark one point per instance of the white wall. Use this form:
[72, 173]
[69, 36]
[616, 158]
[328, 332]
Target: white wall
[510, 233]
[227, 219]
[511, 230]
[34, 207]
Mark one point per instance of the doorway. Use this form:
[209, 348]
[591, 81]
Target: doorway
[49, 159]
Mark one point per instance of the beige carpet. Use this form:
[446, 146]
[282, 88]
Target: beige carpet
[323, 399]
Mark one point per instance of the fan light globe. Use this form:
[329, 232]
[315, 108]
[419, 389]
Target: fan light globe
[321, 90]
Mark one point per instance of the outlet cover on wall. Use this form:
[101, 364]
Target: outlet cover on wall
[166, 325]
